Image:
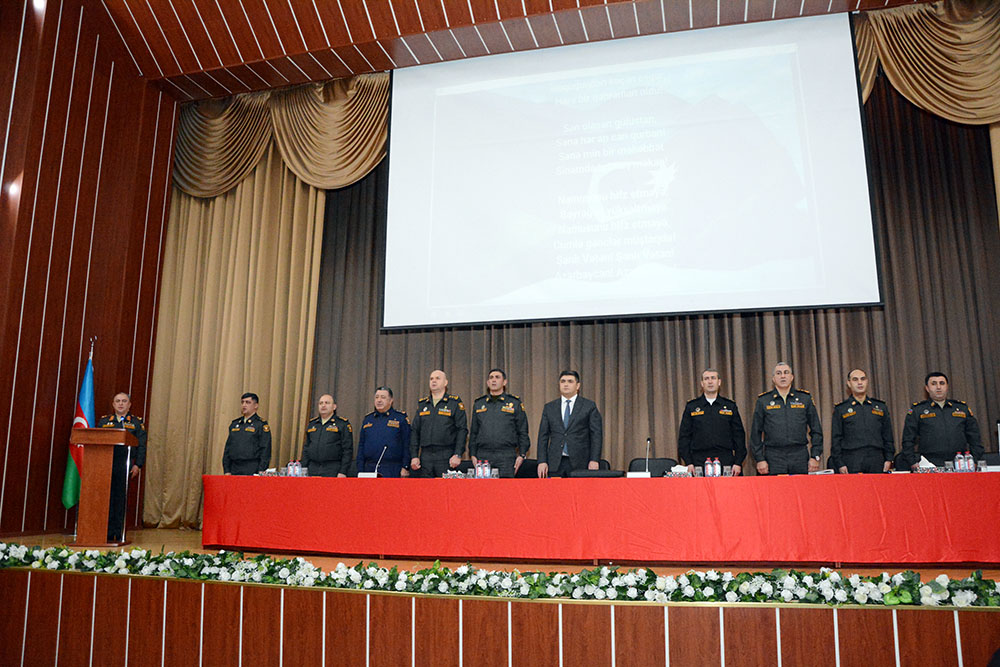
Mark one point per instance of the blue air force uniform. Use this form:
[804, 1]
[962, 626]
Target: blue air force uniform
[778, 434]
[389, 430]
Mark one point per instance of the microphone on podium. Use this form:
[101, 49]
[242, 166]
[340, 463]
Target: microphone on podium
[373, 475]
[642, 473]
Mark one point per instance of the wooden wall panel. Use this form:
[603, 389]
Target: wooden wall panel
[220, 632]
[866, 637]
[261, 609]
[76, 619]
[145, 626]
[980, 633]
[694, 635]
[14, 593]
[757, 622]
[111, 601]
[534, 629]
[484, 632]
[302, 630]
[345, 629]
[926, 637]
[182, 625]
[390, 630]
[436, 632]
[639, 636]
[44, 603]
[91, 145]
[807, 637]
[586, 634]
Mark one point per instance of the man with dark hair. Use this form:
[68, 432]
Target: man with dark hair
[384, 444]
[711, 427]
[939, 427]
[571, 432]
[782, 418]
[329, 442]
[120, 476]
[861, 432]
[248, 447]
[499, 430]
[440, 428]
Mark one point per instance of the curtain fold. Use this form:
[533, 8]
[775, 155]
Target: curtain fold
[237, 313]
[944, 57]
[329, 135]
[938, 238]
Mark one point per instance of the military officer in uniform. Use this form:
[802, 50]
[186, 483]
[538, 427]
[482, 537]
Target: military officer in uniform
[385, 435]
[711, 427]
[248, 447]
[939, 427]
[499, 431]
[861, 432]
[329, 442]
[781, 419]
[439, 430]
[134, 458]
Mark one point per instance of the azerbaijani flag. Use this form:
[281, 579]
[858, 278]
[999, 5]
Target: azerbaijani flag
[84, 419]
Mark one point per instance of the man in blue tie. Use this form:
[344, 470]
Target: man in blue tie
[571, 433]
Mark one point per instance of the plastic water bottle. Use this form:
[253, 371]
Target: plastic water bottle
[487, 470]
[708, 468]
[298, 468]
[970, 463]
[959, 462]
[716, 467]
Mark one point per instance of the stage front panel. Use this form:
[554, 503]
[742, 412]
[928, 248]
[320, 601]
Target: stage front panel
[937, 518]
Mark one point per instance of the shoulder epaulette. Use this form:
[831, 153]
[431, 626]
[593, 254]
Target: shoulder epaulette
[916, 403]
[804, 391]
[105, 417]
[958, 401]
[872, 398]
[843, 402]
[454, 397]
[515, 397]
[402, 412]
[763, 393]
[481, 397]
[424, 398]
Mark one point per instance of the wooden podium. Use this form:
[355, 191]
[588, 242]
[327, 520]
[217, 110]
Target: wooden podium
[95, 481]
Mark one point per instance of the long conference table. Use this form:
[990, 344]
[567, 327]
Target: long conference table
[858, 519]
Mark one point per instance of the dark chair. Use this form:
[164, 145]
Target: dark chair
[657, 466]
[603, 464]
[528, 469]
[597, 473]
[992, 458]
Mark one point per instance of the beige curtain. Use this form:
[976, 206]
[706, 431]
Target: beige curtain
[237, 313]
[329, 135]
[943, 57]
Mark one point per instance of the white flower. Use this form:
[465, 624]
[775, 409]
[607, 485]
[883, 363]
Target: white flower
[682, 580]
[632, 592]
[744, 588]
[551, 591]
[808, 580]
[589, 589]
[605, 571]
[884, 588]
[400, 585]
[897, 579]
[835, 577]
[708, 591]
[788, 583]
[36, 564]
[688, 592]
[354, 576]
[786, 595]
[599, 594]
[283, 573]
[942, 579]
[963, 598]
[602, 582]
[840, 595]
[712, 575]
[731, 596]
[368, 584]
[650, 594]
[612, 593]
[670, 585]
[766, 588]
[801, 592]
[525, 588]
[727, 577]
[443, 587]
[854, 580]
[577, 593]
[506, 583]
[928, 601]
[223, 575]
[860, 596]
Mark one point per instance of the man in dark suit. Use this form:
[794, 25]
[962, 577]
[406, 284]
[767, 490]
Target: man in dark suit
[571, 434]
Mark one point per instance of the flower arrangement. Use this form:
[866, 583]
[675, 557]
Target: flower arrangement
[604, 583]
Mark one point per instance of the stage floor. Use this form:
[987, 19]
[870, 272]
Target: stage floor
[157, 539]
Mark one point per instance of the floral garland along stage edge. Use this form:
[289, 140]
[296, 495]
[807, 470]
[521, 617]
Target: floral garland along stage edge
[603, 583]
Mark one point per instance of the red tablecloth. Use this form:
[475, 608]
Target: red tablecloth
[947, 518]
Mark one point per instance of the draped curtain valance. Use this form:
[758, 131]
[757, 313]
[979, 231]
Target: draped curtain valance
[329, 135]
[944, 57]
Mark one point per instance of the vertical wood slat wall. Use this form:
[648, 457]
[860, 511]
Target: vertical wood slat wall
[141, 620]
[86, 161]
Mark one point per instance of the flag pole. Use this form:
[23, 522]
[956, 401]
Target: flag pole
[76, 513]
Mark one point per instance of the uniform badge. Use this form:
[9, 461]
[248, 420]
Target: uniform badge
[444, 412]
[250, 429]
[311, 430]
[393, 423]
[850, 409]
